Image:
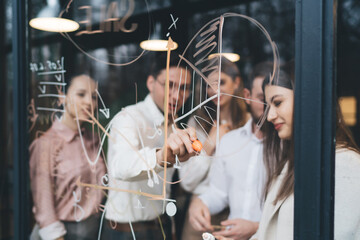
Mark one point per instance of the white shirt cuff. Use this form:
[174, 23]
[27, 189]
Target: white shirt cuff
[52, 231]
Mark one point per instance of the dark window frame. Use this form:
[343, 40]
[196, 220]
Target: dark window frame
[315, 59]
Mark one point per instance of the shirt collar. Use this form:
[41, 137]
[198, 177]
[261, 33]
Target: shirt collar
[155, 113]
[64, 131]
[247, 130]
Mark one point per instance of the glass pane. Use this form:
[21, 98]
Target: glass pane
[347, 161]
[98, 107]
[348, 43]
[82, 172]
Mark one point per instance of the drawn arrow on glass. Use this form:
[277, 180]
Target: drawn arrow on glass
[58, 77]
[103, 110]
[42, 89]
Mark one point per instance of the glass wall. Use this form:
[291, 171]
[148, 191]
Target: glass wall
[81, 80]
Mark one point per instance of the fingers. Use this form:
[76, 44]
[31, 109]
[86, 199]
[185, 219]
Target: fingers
[176, 145]
[195, 220]
[225, 233]
[192, 133]
[199, 215]
[180, 142]
[204, 225]
[206, 219]
[228, 230]
[229, 222]
[197, 225]
[186, 141]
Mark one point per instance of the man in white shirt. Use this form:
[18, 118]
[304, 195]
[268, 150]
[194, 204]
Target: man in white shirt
[237, 174]
[136, 156]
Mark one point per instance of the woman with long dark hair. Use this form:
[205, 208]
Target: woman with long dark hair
[277, 219]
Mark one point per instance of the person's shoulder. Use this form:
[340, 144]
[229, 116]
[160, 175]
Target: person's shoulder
[347, 154]
[44, 141]
[129, 111]
[347, 160]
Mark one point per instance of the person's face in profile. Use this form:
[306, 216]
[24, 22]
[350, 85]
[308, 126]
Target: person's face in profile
[227, 86]
[179, 88]
[80, 98]
[281, 106]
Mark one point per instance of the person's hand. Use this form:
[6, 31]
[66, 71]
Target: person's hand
[238, 229]
[178, 144]
[60, 238]
[199, 215]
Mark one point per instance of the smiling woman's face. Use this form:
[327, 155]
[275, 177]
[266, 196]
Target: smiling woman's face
[227, 86]
[81, 98]
[281, 107]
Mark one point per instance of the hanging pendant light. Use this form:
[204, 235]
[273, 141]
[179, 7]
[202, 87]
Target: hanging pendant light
[48, 19]
[233, 57]
[156, 45]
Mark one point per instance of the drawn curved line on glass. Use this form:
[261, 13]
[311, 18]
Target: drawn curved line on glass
[67, 36]
[212, 29]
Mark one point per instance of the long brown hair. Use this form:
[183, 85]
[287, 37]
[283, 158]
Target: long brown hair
[343, 134]
[237, 106]
[277, 152]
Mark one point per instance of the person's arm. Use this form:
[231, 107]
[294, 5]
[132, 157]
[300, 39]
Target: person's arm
[130, 160]
[43, 191]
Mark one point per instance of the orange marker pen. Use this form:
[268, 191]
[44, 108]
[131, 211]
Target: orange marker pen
[197, 145]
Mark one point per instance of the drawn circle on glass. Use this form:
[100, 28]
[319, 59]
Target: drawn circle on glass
[118, 30]
[208, 40]
[171, 209]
